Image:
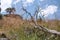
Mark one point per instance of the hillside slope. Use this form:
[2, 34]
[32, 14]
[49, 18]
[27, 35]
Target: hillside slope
[9, 21]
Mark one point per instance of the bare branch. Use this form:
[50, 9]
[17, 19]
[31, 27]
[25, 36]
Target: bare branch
[41, 27]
[46, 29]
[28, 13]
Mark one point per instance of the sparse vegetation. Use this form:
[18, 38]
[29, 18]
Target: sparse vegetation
[10, 10]
[0, 14]
[16, 29]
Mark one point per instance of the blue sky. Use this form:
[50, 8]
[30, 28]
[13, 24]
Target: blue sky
[49, 8]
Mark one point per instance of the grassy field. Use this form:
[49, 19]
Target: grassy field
[17, 29]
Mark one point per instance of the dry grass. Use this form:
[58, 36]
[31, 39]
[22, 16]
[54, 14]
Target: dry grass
[15, 25]
[51, 24]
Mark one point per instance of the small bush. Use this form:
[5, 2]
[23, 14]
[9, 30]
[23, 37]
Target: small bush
[0, 16]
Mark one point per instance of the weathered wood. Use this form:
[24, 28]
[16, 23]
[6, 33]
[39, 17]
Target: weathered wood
[46, 29]
[3, 39]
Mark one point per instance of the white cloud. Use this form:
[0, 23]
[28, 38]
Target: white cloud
[51, 9]
[42, 0]
[16, 1]
[5, 4]
[27, 2]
